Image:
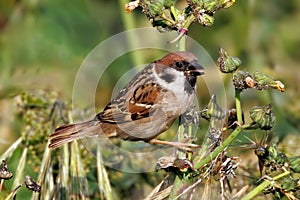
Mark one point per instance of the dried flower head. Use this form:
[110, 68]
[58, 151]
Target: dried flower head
[239, 79]
[129, 7]
[173, 164]
[32, 185]
[4, 173]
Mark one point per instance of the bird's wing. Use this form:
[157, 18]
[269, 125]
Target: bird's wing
[139, 105]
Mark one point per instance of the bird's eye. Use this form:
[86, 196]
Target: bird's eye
[179, 65]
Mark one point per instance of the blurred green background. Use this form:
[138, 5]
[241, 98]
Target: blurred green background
[43, 43]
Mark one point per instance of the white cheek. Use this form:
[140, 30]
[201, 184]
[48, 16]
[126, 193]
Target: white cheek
[177, 88]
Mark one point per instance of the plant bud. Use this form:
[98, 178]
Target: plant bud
[294, 163]
[264, 82]
[239, 79]
[263, 116]
[228, 63]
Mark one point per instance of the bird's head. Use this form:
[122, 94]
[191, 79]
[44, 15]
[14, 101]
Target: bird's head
[184, 62]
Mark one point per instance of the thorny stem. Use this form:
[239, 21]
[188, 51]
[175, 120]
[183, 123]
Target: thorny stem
[219, 149]
[179, 182]
[263, 185]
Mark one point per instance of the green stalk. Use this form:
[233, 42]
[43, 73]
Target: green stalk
[129, 24]
[238, 106]
[263, 185]
[181, 43]
[219, 149]
[201, 162]
[181, 35]
[202, 151]
[103, 180]
[178, 183]
[189, 21]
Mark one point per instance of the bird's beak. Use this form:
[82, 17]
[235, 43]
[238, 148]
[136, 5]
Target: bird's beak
[195, 69]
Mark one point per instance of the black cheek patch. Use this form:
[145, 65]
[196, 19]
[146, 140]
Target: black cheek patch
[168, 77]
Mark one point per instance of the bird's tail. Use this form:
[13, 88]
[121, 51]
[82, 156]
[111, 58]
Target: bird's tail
[69, 132]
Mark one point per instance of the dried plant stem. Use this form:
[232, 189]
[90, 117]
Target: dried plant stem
[103, 180]
[44, 170]
[11, 149]
[64, 171]
[21, 167]
[13, 193]
[76, 167]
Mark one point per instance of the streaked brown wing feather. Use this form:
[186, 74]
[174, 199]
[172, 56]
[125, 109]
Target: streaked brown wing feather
[144, 98]
[139, 106]
[112, 114]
